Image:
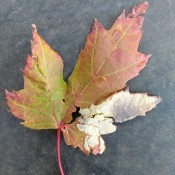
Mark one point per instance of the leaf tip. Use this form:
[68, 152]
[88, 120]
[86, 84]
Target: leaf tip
[6, 91]
[10, 95]
[145, 3]
[7, 94]
[139, 9]
[34, 28]
[144, 7]
[122, 15]
[158, 100]
[97, 24]
[24, 124]
[148, 56]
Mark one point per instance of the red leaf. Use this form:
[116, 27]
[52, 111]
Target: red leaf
[108, 60]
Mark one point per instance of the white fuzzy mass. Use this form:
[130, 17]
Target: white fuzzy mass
[94, 127]
[122, 106]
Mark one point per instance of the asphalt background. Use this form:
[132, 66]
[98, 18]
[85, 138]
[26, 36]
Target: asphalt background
[144, 146]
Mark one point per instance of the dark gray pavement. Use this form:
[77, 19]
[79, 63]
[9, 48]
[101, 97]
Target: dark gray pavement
[144, 146]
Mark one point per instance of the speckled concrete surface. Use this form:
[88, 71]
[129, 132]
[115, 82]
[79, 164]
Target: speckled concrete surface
[144, 146]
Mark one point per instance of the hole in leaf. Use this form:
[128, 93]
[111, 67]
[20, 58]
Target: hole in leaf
[75, 114]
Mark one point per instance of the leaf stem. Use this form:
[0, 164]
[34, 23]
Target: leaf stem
[58, 151]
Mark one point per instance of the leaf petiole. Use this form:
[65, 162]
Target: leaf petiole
[58, 151]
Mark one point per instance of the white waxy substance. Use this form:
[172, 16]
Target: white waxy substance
[121, 106]
[94, 127]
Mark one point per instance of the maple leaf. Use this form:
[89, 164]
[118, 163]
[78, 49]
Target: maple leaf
[109, 59]
[40, 103]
